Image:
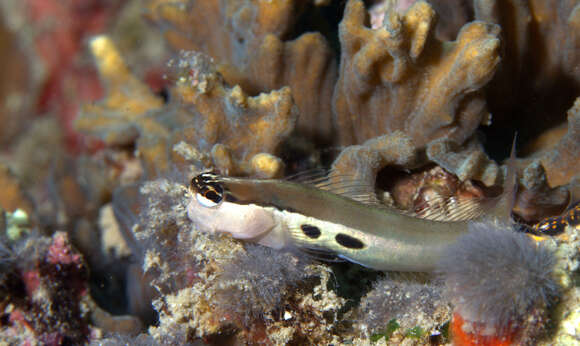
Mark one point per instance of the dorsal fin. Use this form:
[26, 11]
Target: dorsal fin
[346, 185]
[455, 209]
[452, 209]
[309, 177]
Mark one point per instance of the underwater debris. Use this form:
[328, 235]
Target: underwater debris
[399, 77]
[501, 284]
[248, 42]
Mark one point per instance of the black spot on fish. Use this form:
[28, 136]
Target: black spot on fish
[311, 231]
[348, 241]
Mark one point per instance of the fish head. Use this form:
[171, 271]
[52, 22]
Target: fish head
[212, 209]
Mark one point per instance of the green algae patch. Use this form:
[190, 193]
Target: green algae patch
[392, 326]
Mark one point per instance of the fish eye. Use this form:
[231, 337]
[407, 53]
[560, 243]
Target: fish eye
[207, 202]
[208, 191]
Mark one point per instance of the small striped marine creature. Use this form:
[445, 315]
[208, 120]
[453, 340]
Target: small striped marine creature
[331, 220]
[557, 225]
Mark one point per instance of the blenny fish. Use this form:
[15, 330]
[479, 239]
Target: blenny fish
[282, 213]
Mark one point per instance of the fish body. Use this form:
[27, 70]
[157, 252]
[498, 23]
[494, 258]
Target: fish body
[280, 213]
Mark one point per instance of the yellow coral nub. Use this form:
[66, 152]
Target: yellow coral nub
[267, 165]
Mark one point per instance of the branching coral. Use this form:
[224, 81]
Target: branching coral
[536, 199]
[206, 113]
[398, 77]
[408, 104]
[363, 162]
[242, 126]
[539, 77]
[248, 41]
[467, 162]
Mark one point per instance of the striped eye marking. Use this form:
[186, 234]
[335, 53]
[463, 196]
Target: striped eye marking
[208, 191]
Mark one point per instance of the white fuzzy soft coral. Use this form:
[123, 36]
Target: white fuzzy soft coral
[496, 276]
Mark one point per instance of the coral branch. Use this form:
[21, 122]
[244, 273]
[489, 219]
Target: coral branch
[399, 77]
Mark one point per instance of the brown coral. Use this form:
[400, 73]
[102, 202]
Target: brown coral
[467, 162]
[399, 77]
[539, 77]
[561, 162]
[248, 41]
[227, 122]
